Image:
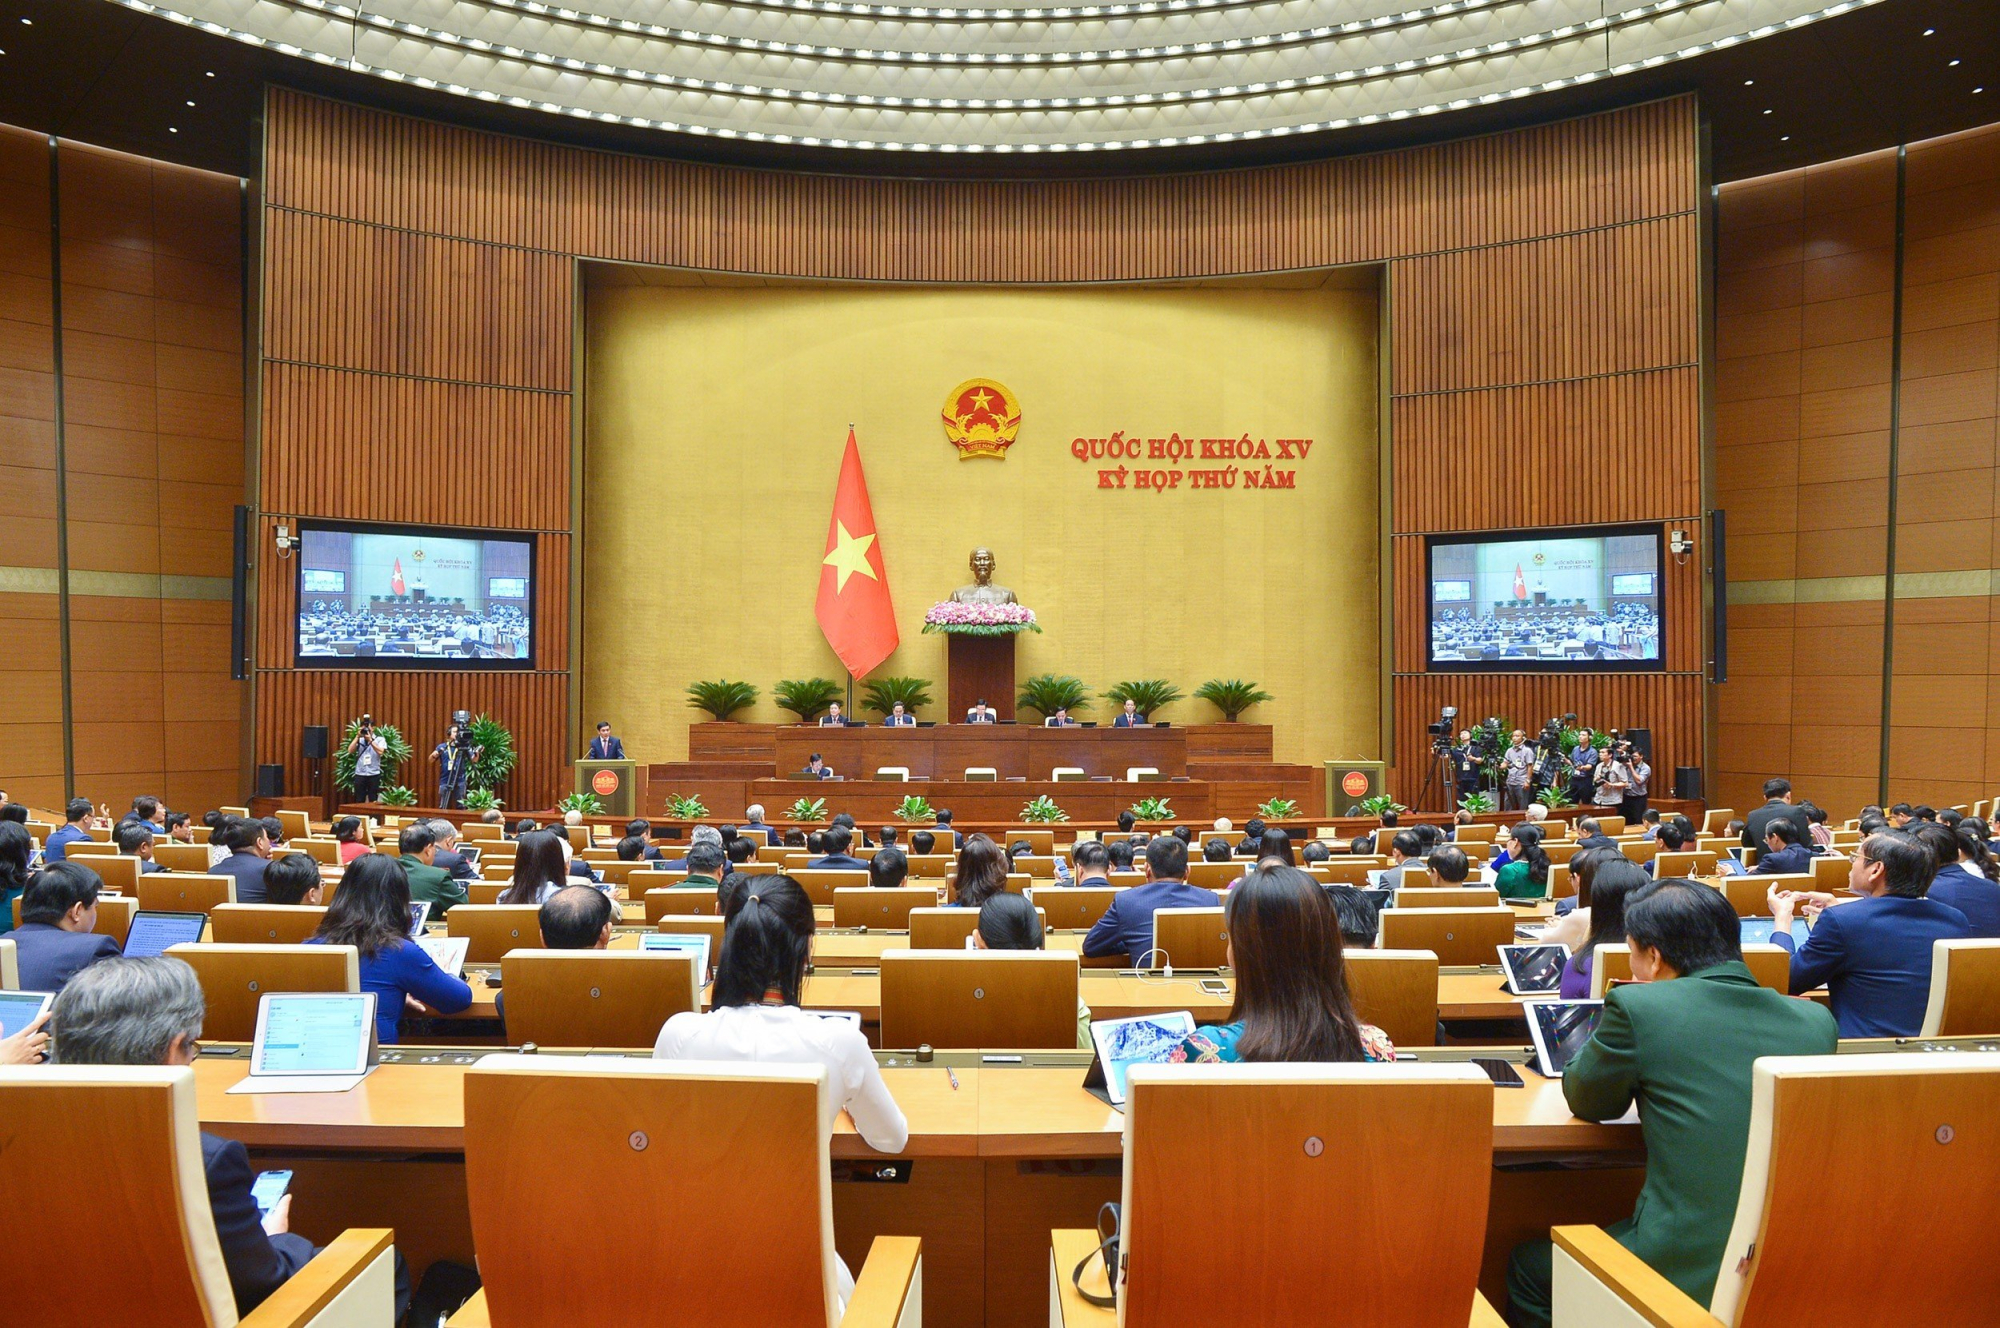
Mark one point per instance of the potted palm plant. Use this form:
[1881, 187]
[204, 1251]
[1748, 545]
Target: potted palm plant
[1232, 696]
[1046, 693]
[807, 698]
[721, 697]
[1147, 695]
[883, 695]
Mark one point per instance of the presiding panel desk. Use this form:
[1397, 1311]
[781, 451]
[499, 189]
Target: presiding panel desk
[1004, 1147]
[1012, 751]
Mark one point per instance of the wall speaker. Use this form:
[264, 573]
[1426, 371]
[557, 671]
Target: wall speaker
[270, 781]
[1642, 742]
[314, 745]
[1687, 783]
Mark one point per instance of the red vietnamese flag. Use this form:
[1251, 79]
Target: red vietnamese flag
[396, 578]
[1520, 583]
[853, 606]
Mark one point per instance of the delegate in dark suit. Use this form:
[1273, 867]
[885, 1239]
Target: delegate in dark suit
[49, 956]
[248, 869]
[1682, 1049]
[901, 721]
[1128, 722]
[1874, 955]
[1128, 924]
[1971, 894]
[258, 1262]
[606, 749]
[837, 862]
[1758, 823]
[1599, 840]
[1789, 860]
[455, 865]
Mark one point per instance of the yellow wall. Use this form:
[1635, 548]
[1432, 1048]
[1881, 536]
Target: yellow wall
[715, 423]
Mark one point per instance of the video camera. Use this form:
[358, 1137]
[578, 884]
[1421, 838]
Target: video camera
[461, 721]
[1441, 732]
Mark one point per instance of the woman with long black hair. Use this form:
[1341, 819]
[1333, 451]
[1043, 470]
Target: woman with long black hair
[371, 912]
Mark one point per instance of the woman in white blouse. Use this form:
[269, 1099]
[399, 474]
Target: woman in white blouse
[756, 1017]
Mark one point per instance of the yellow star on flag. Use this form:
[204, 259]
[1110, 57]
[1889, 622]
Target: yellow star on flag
[849, 555]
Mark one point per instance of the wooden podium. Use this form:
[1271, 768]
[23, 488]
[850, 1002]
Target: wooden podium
[979, 667]
[619, 785]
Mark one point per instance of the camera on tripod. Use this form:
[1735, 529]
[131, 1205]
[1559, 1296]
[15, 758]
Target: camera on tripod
[461, 721]
[1441, 731]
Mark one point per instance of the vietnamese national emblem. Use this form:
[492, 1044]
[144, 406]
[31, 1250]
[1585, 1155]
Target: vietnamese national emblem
[981, 418]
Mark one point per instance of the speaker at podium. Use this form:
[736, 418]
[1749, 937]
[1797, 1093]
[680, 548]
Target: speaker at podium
[619, 785]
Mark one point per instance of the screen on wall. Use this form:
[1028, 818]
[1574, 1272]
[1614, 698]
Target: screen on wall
[1578, 599]
[414, 597]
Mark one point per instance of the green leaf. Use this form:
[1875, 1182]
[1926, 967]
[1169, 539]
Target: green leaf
[721, 698]
[882, 694]
[807, 809]
[479, 800]
[393, 756]
[807, 698]
[399, 796]
[1231, 696]
[1043, 811]
[1553, 798]
[685, 809]
[587, 803]
[1279, 809]
[1380, 803]
[915, 808]
[1476, 802]
[1046, 693]
[1152, 809]
[1148, 694]
[496, 752]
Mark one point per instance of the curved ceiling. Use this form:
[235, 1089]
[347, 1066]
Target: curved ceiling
[1014, 78]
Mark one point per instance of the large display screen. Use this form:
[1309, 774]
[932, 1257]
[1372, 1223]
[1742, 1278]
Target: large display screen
[1578, 599]
[413, 597]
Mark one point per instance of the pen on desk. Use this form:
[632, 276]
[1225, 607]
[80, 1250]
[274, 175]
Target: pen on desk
[952, 1075]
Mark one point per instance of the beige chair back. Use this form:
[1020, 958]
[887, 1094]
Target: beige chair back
[1475, 834]
[1806, 1246]
[297, 825]
[696, 899]
[1830, 873]
[1686, 863]
[326, 852]
[1395, 990]
[979, 998]
[234, 978]
[596, 998]
[1190, 938]
[1216, 875]
[1750, 895]
[819, 884]
[949, 928]
[693, 924]
[881, 909]
[1641, 851]
[689, 1155]
[1457, 936]
[180, 857]
[931, 866]
[491, 930]
[174, 893]
[1447, 897]
[118, 871]
[1717, 820]
[264, 924]
[1562, 881]
[1303, 1139]
[1965, 989]
[10, 966]
[1076, 907]
[98, 846]
[484, 831]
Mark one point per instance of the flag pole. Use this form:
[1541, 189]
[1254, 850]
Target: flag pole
[850, 676]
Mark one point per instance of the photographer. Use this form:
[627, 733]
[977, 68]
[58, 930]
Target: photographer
[454, 756]
[1638, 775]
[367, 749]
[1518, 761]
[1614, 777]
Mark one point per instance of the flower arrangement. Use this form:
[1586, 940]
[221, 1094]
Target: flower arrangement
[980, 619]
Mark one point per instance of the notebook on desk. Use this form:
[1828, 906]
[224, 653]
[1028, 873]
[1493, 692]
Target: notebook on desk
[311, 1042]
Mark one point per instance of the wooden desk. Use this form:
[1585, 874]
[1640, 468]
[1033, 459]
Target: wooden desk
[1014, 750]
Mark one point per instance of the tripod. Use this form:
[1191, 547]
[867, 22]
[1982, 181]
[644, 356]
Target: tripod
[1441, 765]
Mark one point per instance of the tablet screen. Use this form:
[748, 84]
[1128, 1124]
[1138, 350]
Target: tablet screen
[694, 944]
[1560, 1028]
[151, 933]
[313, 1034]
[1146, 1040]
[1534, 970]
[18, 1009]
[1758, 931]
[420, 910]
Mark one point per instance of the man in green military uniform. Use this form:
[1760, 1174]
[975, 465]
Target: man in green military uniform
[704, 862]
[1680, 1043]
[417, 846]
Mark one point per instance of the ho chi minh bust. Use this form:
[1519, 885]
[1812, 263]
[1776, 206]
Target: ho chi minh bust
[982, 590]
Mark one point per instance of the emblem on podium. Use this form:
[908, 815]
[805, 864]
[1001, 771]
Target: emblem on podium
[981, 418]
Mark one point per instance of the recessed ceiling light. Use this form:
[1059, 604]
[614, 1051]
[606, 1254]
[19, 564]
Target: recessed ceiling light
[1784, 138]
[29, 22]
[208, 73]
[1767, 110]
[190, 103]
[1930, 32]
[172, 130]
[1953, 65]
[1976, 91]
[1749, 82]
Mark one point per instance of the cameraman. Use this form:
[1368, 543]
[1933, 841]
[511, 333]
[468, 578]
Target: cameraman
[1614, 777]
[367, 749]
[1583, 760]
[1465, 765]
[454, 756]
[1636, 791]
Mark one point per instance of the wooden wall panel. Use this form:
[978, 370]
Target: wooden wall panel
[1543, 285]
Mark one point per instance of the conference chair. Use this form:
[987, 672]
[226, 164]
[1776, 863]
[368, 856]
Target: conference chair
[1771, 965]
[578, 836]
[175, 893]
[692, 924]
[1471, 834]
[1293, 1139]
[1830, 873]
[1476, 853]
[180, 857]
[151, 1189]
[1041, 868]
[483, 832]
[619, 871]
[695, 899]
[949, 928]
[777, 853]
[1447, 897]
[596, 998]
[1041, 843]
[1216, 875]
[1019, 883]
[1613, 826]
[930, 866]
[1190, 938]
[1395, 990]
[482, 892]
[1074, 907]
[690, 1155]
[1457, 936]
[235, 977]
[1562, 882]
[1965, 989]
[979, 998]
[1142, 774]
[491, 930]
[819, 884]
[118, 871]
[1069, 774]
[893, 774]
[1749, 895]
[981, 774]
[264, 924]
[651, 877]
[326, 852]
[1641, 851]
[296, 825]
[1717, 820]
[1560, 852]
[1686, 863]
[1352, 871]
[93, 848]
[234, 811]
[1808, 1243]
[883, 909]
[10, 966]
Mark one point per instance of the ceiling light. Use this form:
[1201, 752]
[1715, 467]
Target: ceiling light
[209, 73]
[190, 103]
[1784, 138]
[1767, 110]
[1953, 65]
[1930, 32]
[1749, 82]
[172, 130]
[1976, 91]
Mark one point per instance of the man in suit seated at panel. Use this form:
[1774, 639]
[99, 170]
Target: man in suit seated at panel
[981, 713]
[816, 768]
[1059, 720]
[899, 718]
[1679, 1042]
[1873, 953]
[1129, 718]
[1128, 924]
[58, 936]
[833, 719]
[150, 1012]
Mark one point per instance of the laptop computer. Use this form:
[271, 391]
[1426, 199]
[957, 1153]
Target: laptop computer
[1559, 1029]
[311, 1042]
[152, 932]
